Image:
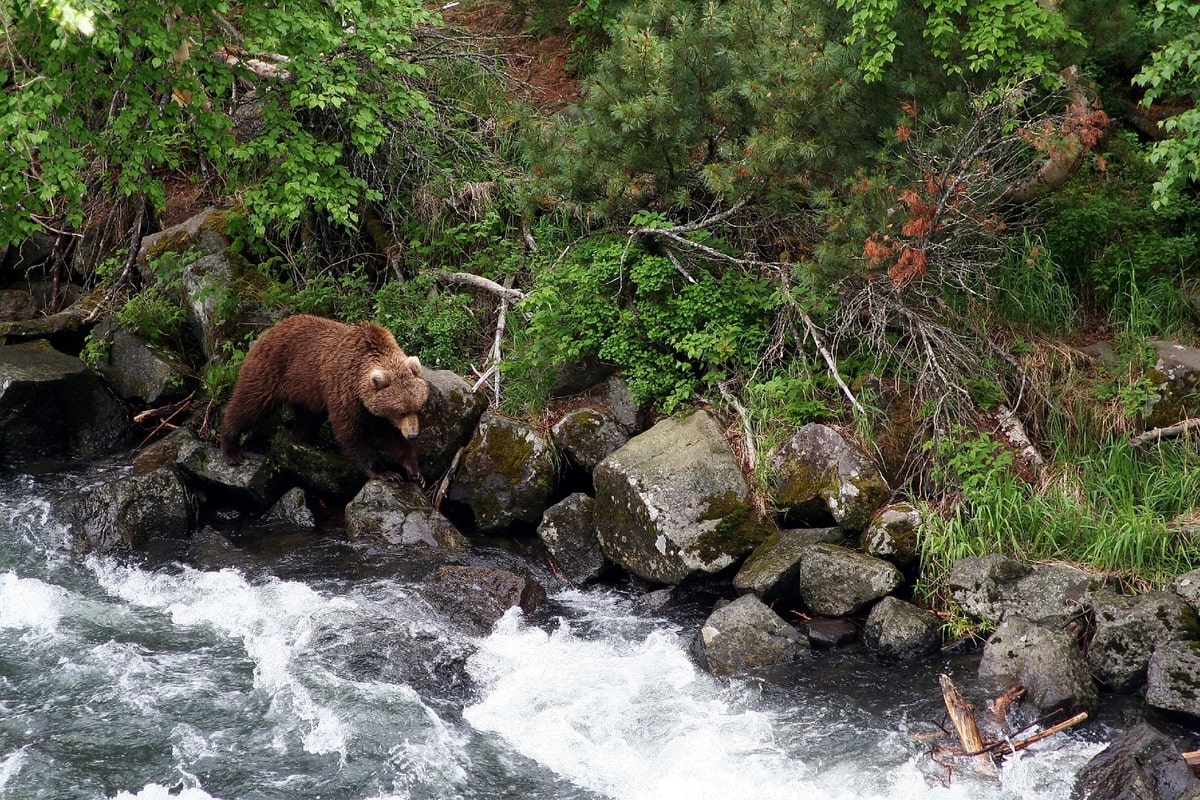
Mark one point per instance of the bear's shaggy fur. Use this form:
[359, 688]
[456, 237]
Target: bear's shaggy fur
[356, 375]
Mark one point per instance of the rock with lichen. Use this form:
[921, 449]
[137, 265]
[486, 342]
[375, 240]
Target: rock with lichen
[818, 471]
[672, 502]
[506, 474]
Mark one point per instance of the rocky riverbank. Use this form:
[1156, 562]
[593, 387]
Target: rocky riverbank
[605, 495]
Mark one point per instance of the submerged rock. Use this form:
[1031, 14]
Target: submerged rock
[291, 510]
[1142, 762]
[479, 596]
[818, 469]
[1045, 659]
[52, 404]
[506, 474]
[836, 581]
[746, 637]
[568, 530]
[130, 512]
[672, 502]
[399, 516]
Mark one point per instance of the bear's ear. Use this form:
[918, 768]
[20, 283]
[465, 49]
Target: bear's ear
[413, 363]
[379, 378]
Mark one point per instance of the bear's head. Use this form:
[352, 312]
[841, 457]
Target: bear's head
[394, 390]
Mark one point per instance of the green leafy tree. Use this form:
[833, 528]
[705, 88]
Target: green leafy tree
[1174, 71]
[105, 105]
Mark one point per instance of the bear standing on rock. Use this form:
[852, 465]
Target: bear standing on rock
[355, 374]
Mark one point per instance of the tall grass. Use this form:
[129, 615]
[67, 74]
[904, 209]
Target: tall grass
[1116, 510]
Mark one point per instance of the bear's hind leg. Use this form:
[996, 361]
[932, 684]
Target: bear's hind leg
[307, 426]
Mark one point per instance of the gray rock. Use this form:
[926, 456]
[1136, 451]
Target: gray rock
[1176, 374]
[672, 502]
[568, 530]
[129, 512]
[995, 587]
[892, 535]
[1127, 629]
[829, 632]
[1046, 660]
[771, 571]
[836, 581]
[1142, 763]
[448, 421]
[746, 637]
[506, 474]
[818, 469]
[324, 472]
[479, 596]
[51, 404]
[1173, 677]
[614, 395]
[588, 436]
[900, 631]
[136, 370]
[291, 510]
[1187, 586]
[255, 482]
[17, 304]
[399, 516]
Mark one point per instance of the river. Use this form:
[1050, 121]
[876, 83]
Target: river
[283, 668]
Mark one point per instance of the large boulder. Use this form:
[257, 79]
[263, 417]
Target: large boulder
[506, 474]
[993, 587]
[587, 436]
[130, 512]
[819, 471]
[400, 517]
[477, 596]
[568, 530]
[1128, 629]
[673, 503]
[836, 581]
[255, 483]
[51, 404]
[771, 572]
[322, 471]
[1175, 376]
[140, 372]
[900, 631]
[1045, 659]
[1173, 677]
[746, 637]
[1142, 763]
[448, 421]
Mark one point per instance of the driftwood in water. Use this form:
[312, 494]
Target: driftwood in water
[962, 716]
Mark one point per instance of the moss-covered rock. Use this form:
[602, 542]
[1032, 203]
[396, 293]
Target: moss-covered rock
[817, 469]
[1176, 377]
[672, 502]
[1127, 629]
[837, 581]
[506, 474]
[400, 517]
[448, 421]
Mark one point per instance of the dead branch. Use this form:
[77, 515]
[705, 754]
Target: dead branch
[1158, 434]
[479, 282]
[962, 715]
[1014, 747]
[444, 486]
[744, 418]
[266, 65]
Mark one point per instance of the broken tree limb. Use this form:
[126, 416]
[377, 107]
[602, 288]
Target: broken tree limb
[1158, 434]
[1013, 747]
[479, 282]
[444, 486]
[962, 716]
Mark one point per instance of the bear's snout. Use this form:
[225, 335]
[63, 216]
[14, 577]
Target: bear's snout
[409, 426]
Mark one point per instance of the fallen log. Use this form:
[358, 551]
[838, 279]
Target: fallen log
[962, 716]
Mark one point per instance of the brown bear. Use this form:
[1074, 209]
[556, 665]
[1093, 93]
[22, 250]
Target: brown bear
[356, 375]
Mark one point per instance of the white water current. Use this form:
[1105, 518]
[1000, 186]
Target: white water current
[152, 679]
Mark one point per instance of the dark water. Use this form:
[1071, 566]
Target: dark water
[281, 672]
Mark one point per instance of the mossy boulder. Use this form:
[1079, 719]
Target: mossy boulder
[506, 474]
[400, 517]
[52, 404]
[745, 637]
[771, 570]
[837, 581]
[1176, 377]
[993, 587]
[448, 421]
[672, 502]
[1045, 659]
[147, 375]
[568, 530]
[587, 436]
[1173, 677]
[900, 631]
[818, 471]
[892, 535]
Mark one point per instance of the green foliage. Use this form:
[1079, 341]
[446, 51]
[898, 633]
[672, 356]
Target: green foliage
[672, 335]
[695, 100]
[439, 325]
[1129, 256]
[1112, 509]
[973, 465]
[1031, 291]
[1174, 70]
[1004, 41]
[156, 313]
[150, 92]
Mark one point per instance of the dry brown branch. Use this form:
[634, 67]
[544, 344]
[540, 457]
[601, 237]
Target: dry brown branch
[962, 716]
[479, 282]
[1158, 434]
